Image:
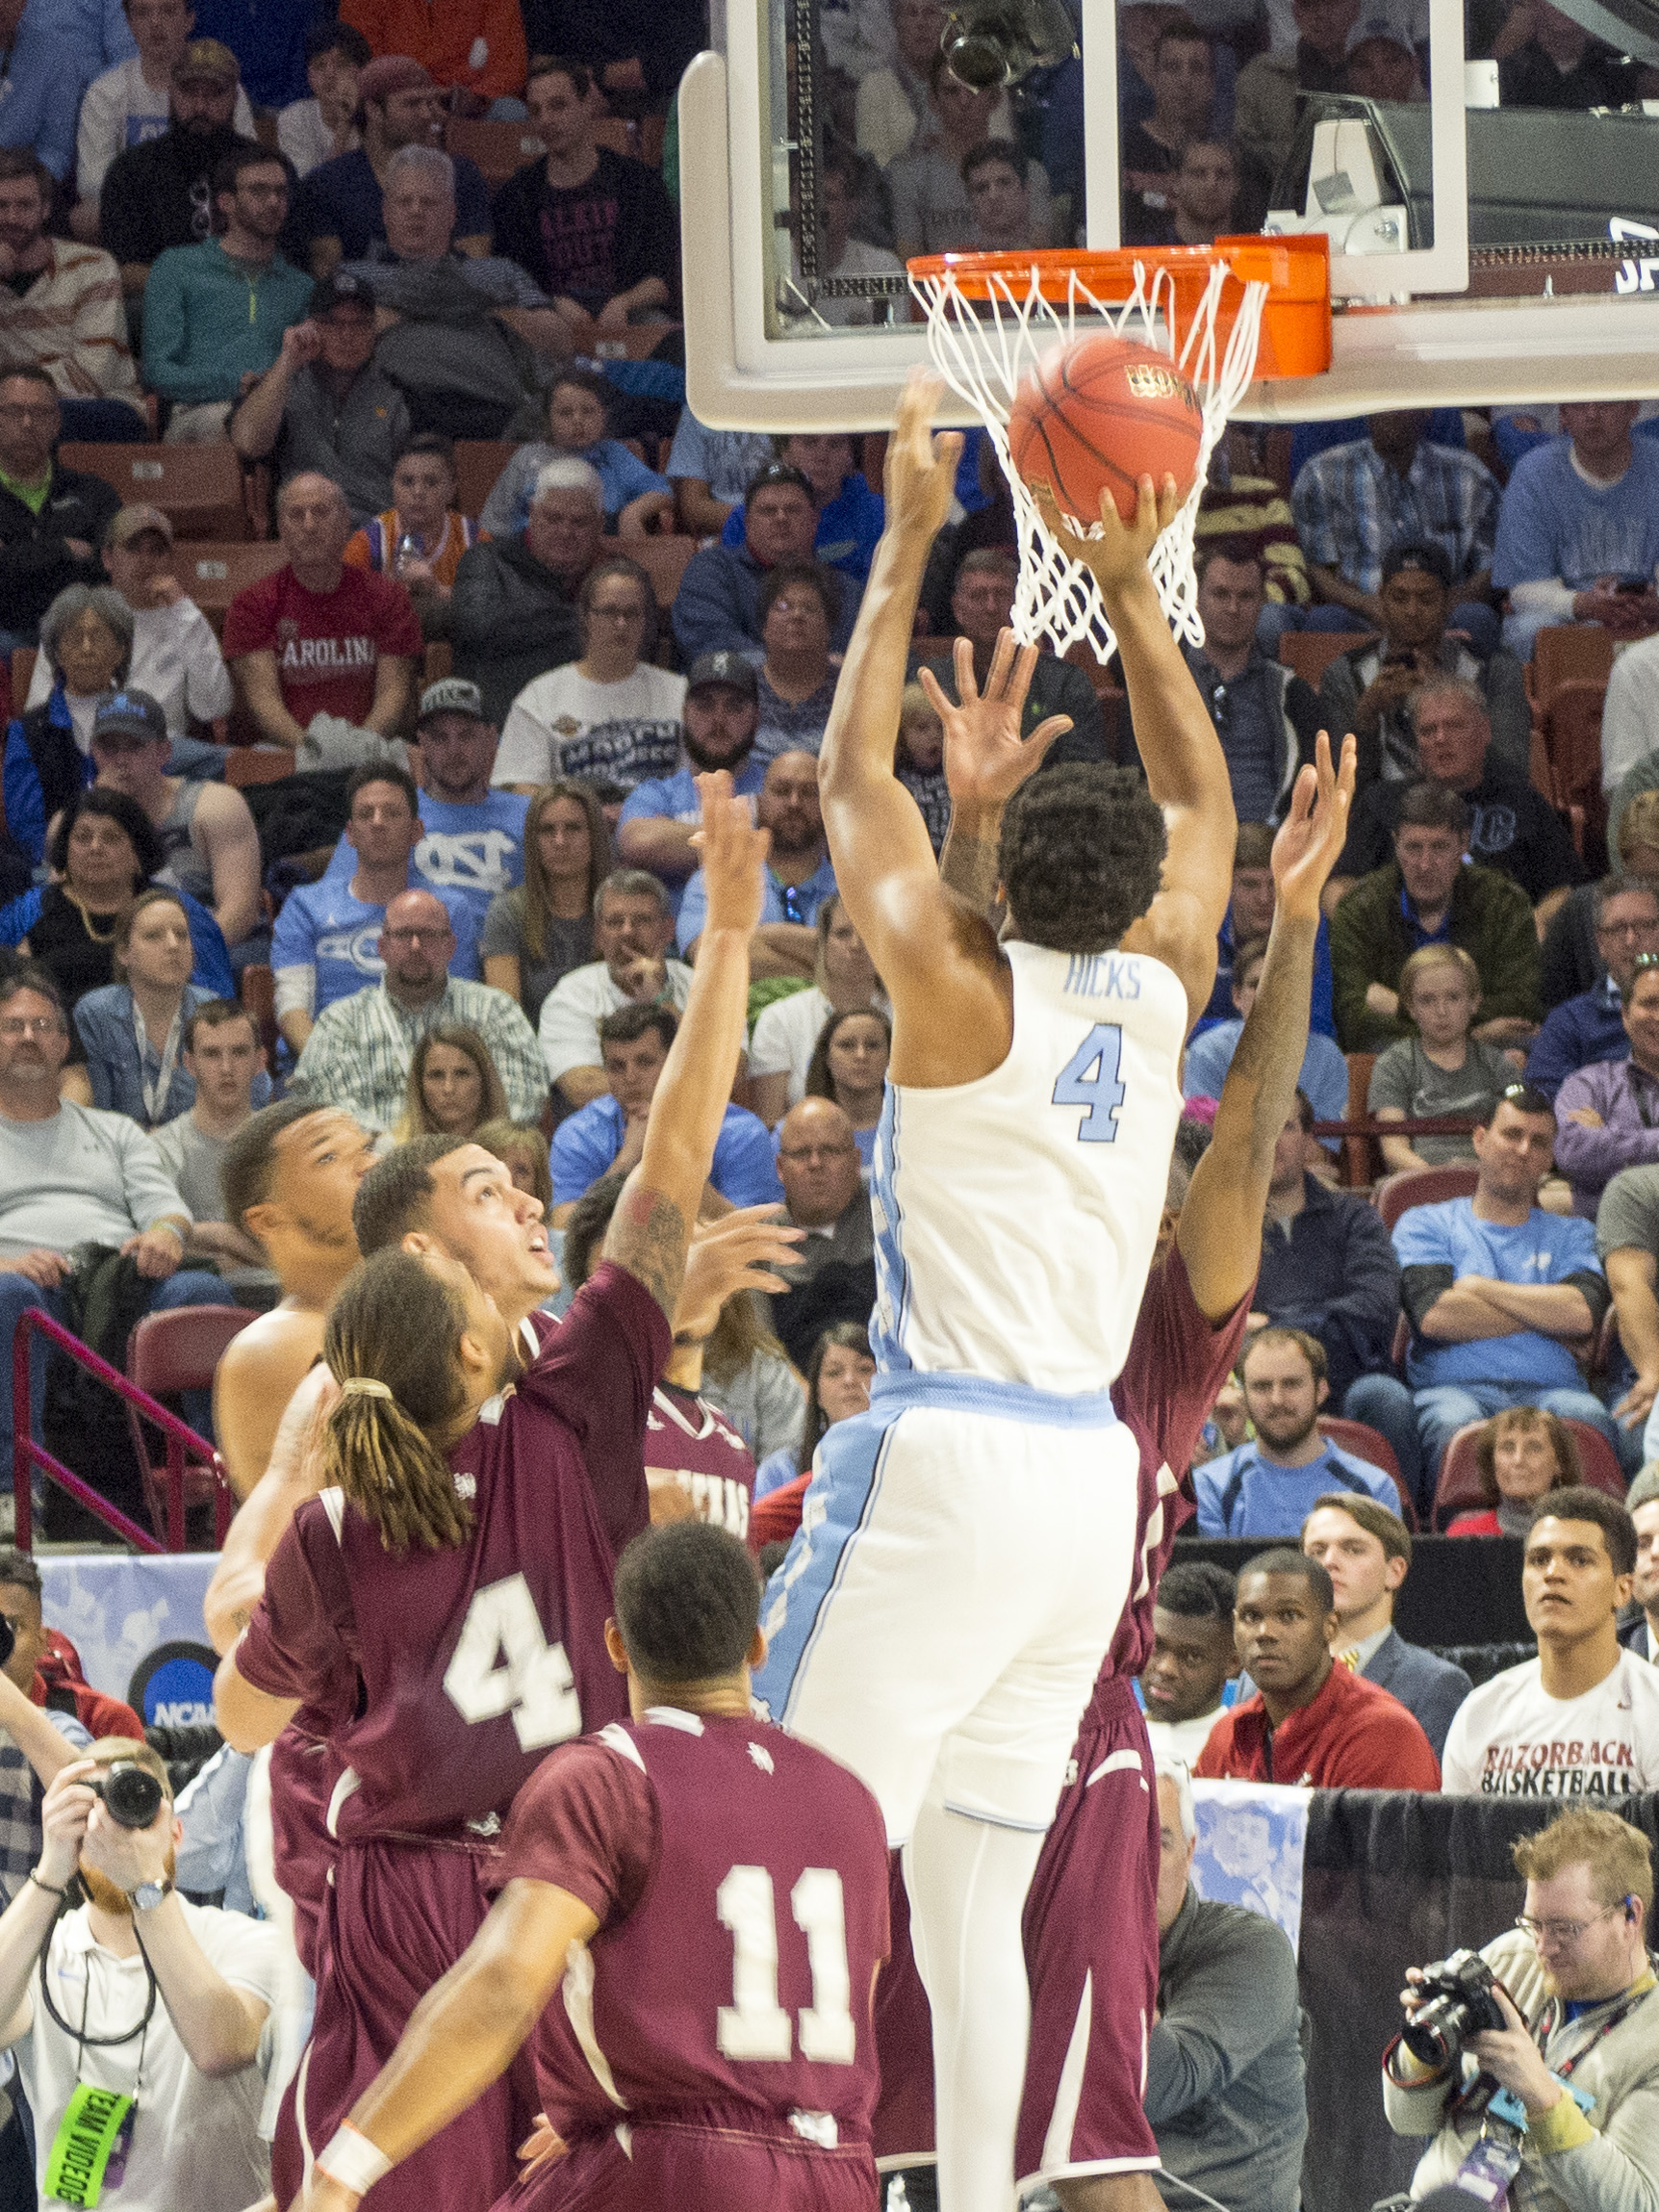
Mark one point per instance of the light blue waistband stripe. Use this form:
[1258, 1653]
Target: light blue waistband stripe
[1000, 1400]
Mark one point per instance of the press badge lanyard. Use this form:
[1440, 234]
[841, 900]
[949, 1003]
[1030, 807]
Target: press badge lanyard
[1493, 2164]
[94, 2136]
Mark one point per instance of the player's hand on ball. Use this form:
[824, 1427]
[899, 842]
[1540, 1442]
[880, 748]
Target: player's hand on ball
[1117, 558]
[733, 855]
[986, 759]
[1314, 831]
[920, 476]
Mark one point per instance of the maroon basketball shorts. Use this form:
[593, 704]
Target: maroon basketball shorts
[303, 1772]
[1091, 1957]
[398, 1918]
[699, 2166]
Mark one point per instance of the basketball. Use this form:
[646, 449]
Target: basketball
[1098, 414]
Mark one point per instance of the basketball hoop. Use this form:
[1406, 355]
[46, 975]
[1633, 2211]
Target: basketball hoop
[1221, 312]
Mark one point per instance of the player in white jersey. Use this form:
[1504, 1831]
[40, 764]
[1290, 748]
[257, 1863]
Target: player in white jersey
[965, 1546]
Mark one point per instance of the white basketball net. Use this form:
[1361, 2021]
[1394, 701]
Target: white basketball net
[983, 349]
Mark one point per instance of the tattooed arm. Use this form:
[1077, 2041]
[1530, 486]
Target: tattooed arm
[653, 1222]
[1220, 1227]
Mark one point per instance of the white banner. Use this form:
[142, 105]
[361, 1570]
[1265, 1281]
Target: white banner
[138, 1626]
[1251, 1837]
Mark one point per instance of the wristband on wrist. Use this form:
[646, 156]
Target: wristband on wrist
[48, 1887]
[354, 2161]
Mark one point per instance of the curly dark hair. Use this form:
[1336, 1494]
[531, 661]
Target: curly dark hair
[126, 812]
[1081, 856]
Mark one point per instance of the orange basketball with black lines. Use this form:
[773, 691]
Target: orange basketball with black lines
[1098, 414]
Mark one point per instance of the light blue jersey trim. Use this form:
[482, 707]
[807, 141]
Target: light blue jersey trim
[892, 1270]
[896, 1394]
[839, 1504]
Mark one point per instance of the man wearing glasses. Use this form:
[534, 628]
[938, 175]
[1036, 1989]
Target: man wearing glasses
[359, 1051]
[1590, 1027]
[52, 518]
[1580, 2052]
[1582, 1719]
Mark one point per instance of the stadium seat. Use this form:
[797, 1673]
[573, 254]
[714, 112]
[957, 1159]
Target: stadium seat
[198, 488]
[248, 765]
[1309, 653]
[1362, 1156]
[1372, 1447]
[437, 663]
[169, 1353]
[1395, 1194]
[214, 573]
[664, 561]
[22, 674]
[478, 462]
[497, 148]
[1567, 693]
[1458, 1490]
[259, 996]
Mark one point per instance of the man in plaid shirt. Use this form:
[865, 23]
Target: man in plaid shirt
[359, 1054]
[1354, 503]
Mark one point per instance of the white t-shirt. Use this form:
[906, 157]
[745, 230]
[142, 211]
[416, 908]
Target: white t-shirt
[565, 724]
[1181, 1739]
[568, 1030]
[1510, 1738]
[175, 658]
[196, 2143]
[118, 110]
[786, 1035]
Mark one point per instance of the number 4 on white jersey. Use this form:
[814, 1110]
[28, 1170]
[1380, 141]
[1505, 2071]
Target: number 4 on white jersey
[756, 2026]
[1090, 1078]
[504, 1664]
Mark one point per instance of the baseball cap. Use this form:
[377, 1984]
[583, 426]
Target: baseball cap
[210, 59]
[133, 521]
[340, 290]
[1378, 23]
[390, 73]
[452, 695]
[129, 715]
[779, 472]
[723, 668]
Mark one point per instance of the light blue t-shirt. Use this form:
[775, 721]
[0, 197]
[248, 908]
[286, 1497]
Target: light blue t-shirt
[321, 926]
[674, 798]
[468, 855]
[1546, 1248]
[588, 1141]
[1553, 523]
[1244, 1494]
[804, 899]
[1324, 1076]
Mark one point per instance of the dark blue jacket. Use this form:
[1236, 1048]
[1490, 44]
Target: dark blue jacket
[1577, 1034]
[1431, 1689]
[1334, 1273]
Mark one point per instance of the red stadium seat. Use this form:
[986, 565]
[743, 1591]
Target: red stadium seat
[497, 148]
[478, 462]
[214, 573]
[1396, 1194]
[1458, 1490]
[1360, 1157]
[198, 488]
[1372, 1447]
[1310, 651]
[168, 1353]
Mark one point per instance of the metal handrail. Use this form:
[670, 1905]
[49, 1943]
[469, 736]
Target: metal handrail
[184, 1448]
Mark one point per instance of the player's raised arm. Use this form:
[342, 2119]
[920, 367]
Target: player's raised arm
[1220, 1227]
[1185, 768]
[653, 1218]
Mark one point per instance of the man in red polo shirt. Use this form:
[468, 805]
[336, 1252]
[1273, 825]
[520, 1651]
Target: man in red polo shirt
[318, 638]
[1310, 1720]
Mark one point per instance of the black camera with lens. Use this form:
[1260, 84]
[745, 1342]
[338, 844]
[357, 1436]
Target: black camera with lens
[131, 1793]
[1460, 1997]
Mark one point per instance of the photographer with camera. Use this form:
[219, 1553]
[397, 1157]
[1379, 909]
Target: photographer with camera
[1534, 2063]
[35, 1740]
[139, 2021]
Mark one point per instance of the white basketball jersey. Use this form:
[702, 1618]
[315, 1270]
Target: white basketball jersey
[1015, 1217]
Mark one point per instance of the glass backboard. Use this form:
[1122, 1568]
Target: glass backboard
[1487, 172]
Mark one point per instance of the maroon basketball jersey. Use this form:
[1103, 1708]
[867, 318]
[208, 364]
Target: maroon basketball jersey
[686, 1440]
[740, 1879]
[1176, 1366]
[448, 1676]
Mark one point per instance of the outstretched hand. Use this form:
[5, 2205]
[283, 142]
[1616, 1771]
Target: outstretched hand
[733, 855]
[1117, 558]
[735, 1252]
[986, 759]
[920, 476]
[1311, 836]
